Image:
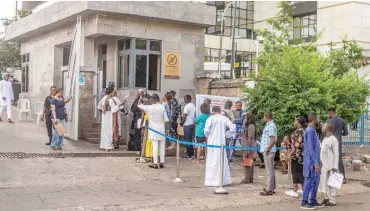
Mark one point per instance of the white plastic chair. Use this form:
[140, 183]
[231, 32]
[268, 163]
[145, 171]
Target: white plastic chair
[23, 106]
[38, 109]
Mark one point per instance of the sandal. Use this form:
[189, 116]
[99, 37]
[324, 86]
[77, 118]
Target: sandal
[267, 193]
[265, 190]
[155, 166]
[196, 162]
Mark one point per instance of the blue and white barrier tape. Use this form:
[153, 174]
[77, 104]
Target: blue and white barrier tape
[207, 145]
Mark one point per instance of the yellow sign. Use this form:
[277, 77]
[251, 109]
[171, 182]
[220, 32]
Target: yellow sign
[172, 64]
[236, 65]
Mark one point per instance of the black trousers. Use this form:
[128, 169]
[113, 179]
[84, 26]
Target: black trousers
[49, 125]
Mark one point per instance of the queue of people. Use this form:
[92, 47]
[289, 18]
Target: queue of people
[311, 160]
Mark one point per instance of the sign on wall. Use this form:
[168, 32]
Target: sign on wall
[216, 101]
[81, 79]
[172, 64]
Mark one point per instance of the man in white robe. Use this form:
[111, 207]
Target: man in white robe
[158, 121]
[6, 97]
[330, 162]
[215, 131]
[108, 108]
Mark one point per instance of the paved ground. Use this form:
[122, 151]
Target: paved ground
[69, 184]
[358, 202]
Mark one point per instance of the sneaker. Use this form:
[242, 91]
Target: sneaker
[308, 207]
[291, 193]
[318, 205]
[300, 192]
[10, 121]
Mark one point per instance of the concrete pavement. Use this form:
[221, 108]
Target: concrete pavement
[118, 183]
[358, 202]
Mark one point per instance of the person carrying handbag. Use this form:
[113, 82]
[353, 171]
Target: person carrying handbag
[249, 140]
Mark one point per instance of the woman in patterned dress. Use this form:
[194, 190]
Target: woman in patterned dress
[295, 155]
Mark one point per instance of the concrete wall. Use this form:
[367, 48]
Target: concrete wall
[42, 50]
[263, 10]
[188, 40]
[340, 19]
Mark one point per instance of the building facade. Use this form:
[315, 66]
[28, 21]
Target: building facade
[335, 19]
[123, 42]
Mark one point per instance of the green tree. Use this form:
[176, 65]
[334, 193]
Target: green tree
[10, 51]
[297, 79]
[9, 55]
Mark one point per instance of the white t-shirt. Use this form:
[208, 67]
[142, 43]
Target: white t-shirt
[157, 117]
[189, 110]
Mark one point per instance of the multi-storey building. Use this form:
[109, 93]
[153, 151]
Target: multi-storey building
[335, 19]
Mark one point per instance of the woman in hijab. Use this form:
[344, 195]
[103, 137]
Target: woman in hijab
[135, 133]
[109, 127]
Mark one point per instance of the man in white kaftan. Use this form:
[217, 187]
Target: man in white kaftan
[6, 97]
[158, 121]
[330, 162]
[108, 108]
[215, 131]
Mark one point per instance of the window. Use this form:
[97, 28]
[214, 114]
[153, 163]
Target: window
[104, 49]
[305, 26]
[243, 59]
[139, 66]
[147, 64]
[123, 73]
[243, 23]
[25, 72]
[66, 52]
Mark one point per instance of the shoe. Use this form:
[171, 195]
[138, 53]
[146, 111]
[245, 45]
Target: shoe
[47, 144]
[10, 121]
[308, 207]
[325, 201]
[1, 120]
[300, 192]
[317, 205]
[329, 204]
[291, 193]
[161, 165]
[172, 146]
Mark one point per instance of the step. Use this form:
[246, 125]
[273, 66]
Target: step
[91, 130]
[96, 124]
[93, 140]
[92, 135]
[97, 140]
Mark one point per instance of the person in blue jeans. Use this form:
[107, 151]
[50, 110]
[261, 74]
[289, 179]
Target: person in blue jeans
[311, 165]
[57, 105]
[187, 120]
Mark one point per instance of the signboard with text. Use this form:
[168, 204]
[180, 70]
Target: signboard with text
[172, 64]
[215, 101]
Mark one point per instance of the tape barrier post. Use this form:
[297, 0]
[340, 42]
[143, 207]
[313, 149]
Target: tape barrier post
[178, 178]
[143, 145]
[221, 190]
[290, 174]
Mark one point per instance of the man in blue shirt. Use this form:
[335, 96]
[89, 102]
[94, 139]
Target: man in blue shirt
[268, 149]
[311, 165]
